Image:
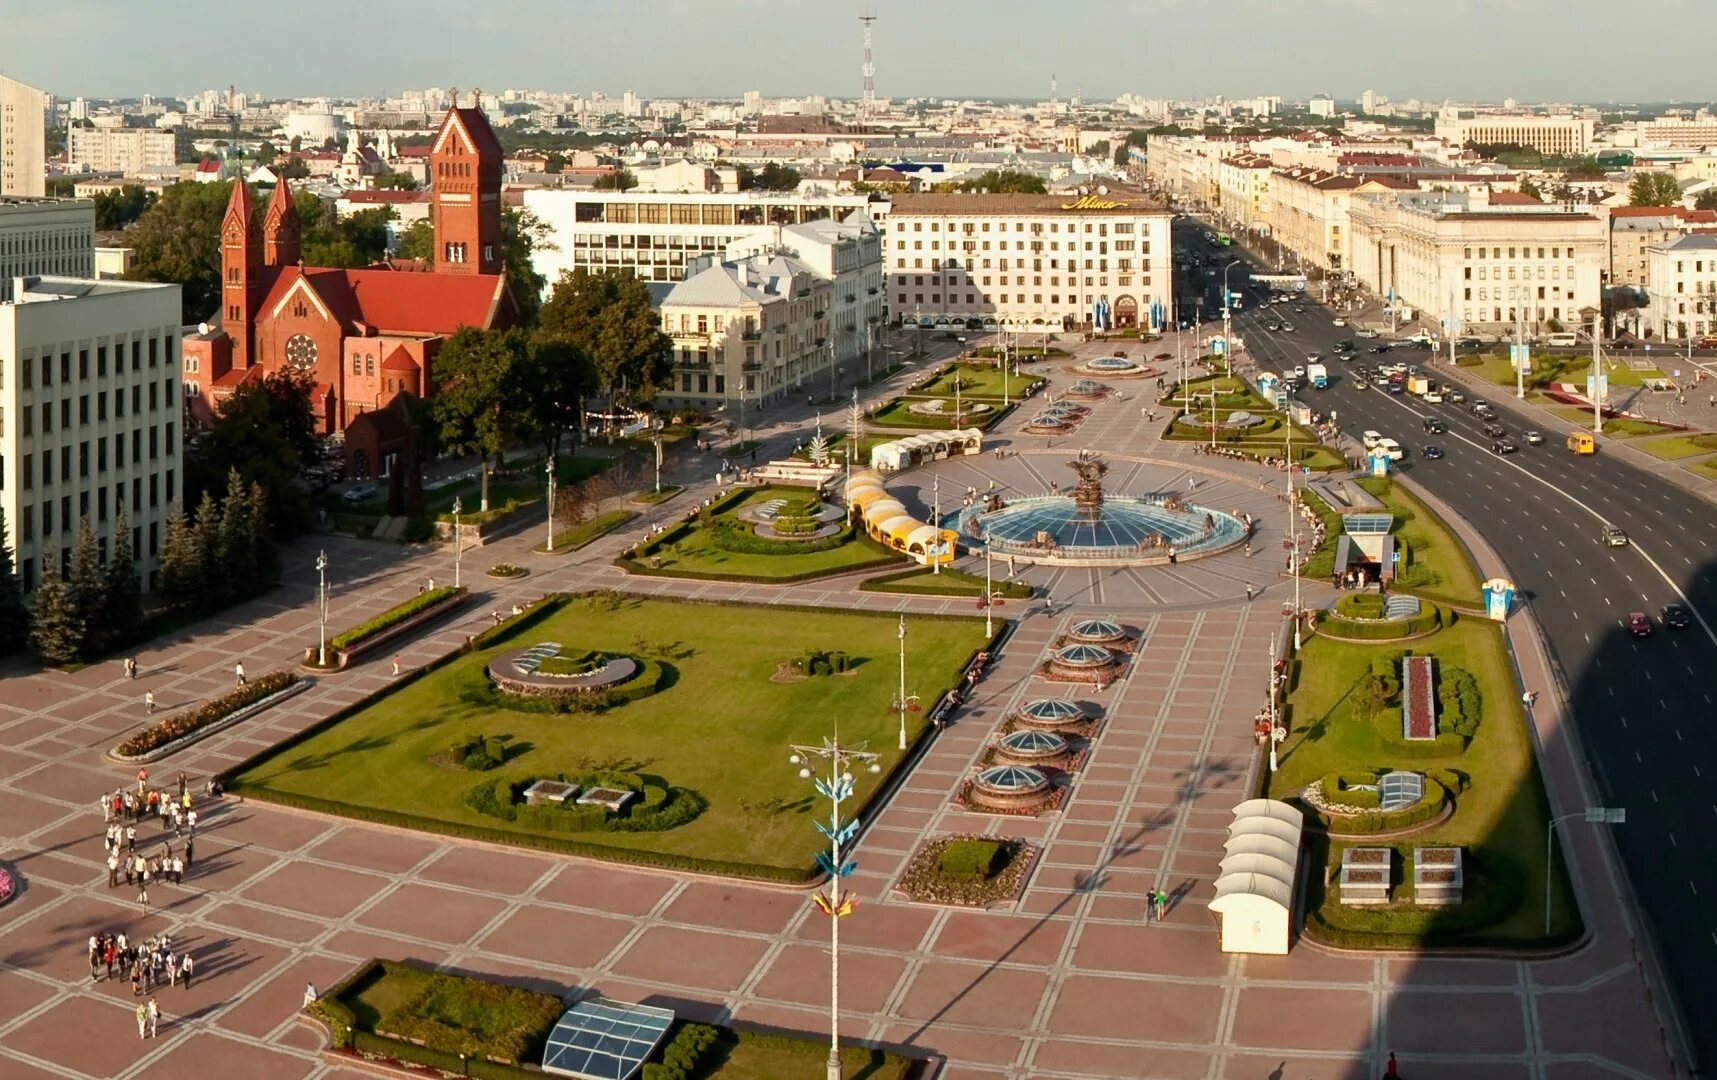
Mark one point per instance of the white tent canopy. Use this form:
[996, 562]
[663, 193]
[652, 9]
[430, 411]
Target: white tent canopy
[930, 446]
[1255, 887]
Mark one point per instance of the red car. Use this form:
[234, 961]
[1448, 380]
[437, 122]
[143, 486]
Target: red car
[1639, 624]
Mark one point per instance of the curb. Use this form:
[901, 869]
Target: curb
[297, 686]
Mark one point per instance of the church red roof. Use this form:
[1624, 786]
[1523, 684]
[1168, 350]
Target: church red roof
[388, 302]
[399, 360]
[476, 125]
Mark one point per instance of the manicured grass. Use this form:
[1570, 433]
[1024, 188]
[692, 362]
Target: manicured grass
[1503, 810]
[1436, 564]
[695, 551]
[898, 414]
[949, 582]
[1705, 468]
[774, 1058]
[1495, 367]
[719, 726]
[1676, 447]
[1623, 428]
[584, 532]
[977, 381]
[837, 448]
[650, 496]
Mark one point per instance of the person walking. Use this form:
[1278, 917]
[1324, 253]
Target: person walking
[310, 994]
[142, 1019]
[154, 1016]
[189, 845]
[149, 703]
[396, 663]
[238, 671]
[185, 970]
[143, 893]
[1250, 592]
[130, 838]
[1391, 1071]
[113, 869]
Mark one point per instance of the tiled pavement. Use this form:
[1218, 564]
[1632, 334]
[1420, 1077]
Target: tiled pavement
[1073, 982]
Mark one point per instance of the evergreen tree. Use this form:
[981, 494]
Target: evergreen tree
[89, 589]
[124, 591]
[57, 630]
[182, 577]
[263, 550]
[14, 616]
[216, 586]
[234, 553]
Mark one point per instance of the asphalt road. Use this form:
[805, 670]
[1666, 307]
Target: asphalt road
[1640, 705]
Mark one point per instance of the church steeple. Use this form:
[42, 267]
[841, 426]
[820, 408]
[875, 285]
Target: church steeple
[241, 273]
[280, 228]
[465, 170]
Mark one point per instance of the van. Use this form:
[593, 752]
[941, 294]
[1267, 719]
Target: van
[1370, 439]
[1562, 341]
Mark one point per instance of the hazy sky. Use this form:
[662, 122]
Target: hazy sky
[1591, 50]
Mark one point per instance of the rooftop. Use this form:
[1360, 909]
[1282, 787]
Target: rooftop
[1120, 201]
[40, 289]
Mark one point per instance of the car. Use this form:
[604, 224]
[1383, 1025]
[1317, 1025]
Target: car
[1344, 346]
[1503, 446]
[1339, 321]
[1614, 536]
[1495, 431]
[1397, 387]
[1287, 328]
[1535, 438]
[1360, 384]
[357, 493]
[1435, 426]
[1676, 617]
[1394, 449]
[1638, 624]
[1433, 452]
[1378, 350]
[1432, 397]
[1365, 332]
[1299, 371]
[1456, 397]
[1272, 325]
[1368, 439]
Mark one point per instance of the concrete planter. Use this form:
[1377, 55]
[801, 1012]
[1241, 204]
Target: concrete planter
[298, 686]
[341, 659]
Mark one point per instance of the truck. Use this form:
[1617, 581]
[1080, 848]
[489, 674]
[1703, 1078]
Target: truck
[1418, 385]
[1319, 376]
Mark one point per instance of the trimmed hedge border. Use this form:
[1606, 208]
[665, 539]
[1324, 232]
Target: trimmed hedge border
[587, 533]
[633, 564]
[1340, 628]
[536, 613]
[380, 632]
[1011, 590]
[293, 686]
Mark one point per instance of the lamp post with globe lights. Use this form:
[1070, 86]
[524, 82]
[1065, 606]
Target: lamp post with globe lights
[322, 608]
[836, 784]
[550, 471]
[458, 540]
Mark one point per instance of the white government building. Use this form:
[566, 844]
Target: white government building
[89, 416]
[45, 236]
[1048, 262]
[1682, 296]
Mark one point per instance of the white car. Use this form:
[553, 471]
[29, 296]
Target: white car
[1299, 371]
[1370, 439]
[1392, 448]
[1365, 332]
[1339, 321]
[1434, 397]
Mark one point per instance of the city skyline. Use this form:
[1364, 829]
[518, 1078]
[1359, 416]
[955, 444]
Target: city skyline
[716, 50]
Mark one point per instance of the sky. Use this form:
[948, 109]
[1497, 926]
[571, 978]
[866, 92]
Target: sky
[1533, 50]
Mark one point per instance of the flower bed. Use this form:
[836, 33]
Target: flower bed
[506, 570]
[927, 878]
[8, 886]
[1418, 704]
[193, 721]
[418, 604]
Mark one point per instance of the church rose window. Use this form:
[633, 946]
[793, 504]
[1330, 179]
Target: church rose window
[301, 352]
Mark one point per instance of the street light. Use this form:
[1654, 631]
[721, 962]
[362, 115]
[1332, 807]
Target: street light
[656, 439]
[902, 636]
[989, 595]
[836, 785]
[550, 471]
[1596, 815]
[322, 607]
[459, 539]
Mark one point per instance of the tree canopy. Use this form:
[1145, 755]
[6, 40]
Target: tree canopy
[608, 317]
[265, 431]
[117, 209]
[1004, 181]
[772, 177]
[1654, 189]
[177, 240]
[475, 372]
[618, 180]
[1706, 200]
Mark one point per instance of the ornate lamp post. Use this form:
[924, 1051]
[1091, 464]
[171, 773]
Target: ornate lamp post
[322, 607]
[836, 785]
[903, 682]
[550, 471]
[458, 540]
[989, 597]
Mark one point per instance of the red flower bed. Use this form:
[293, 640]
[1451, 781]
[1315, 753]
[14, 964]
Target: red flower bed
[1418, 705]
[181, 724]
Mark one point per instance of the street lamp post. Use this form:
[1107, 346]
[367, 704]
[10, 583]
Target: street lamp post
[1597, 815]
[1293, 526]
[459, 537]
[989, 596]
[322, 605]
[656, 441]
[936, 523]
[551, 505]
[902, 636]
[836, 785]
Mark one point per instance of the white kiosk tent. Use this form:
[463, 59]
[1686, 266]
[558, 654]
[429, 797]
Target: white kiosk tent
[1254, 899]
[930, 446]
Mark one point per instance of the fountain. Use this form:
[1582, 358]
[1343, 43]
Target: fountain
[1088, 526]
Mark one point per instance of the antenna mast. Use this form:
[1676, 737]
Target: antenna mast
[867, 105]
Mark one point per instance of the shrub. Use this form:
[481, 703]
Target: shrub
[393, 616]
[660, 808]
[1422, 811]
[684, 1053]
[737, 537]
[969, 859]
[506, 570]
[1462, 704]
[495, 747]
[209, 712]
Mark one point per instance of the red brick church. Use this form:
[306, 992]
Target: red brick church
[365, 336]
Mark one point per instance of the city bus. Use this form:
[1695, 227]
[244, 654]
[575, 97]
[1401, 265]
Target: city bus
[1223, 240]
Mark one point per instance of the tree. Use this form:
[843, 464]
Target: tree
[177, 240]
[608, 316]
[618, 180]
[396, 181]
[1529, 186]
[1004, 180]
[14, 616]
[1099, 149]
[266, 431]
[1706, 200]
[359, 239]
[1123, 154]
[1654, 189]
[124, 591]
[89, 588]
[776, 177]
[117, 209]
[522, 235]
[417, 242]
[265, 554]
[295, 169]
[207, 525]
[235, 554]
[57, 629]
[182, 577]
[474, 371]
[549, 385]
[554, 162]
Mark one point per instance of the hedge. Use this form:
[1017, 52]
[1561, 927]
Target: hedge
[1360, 824]
[1429, 619]
[423, 601]
[684, 1053]
[737, 537]
[649, 679]
[209, 712]
[1321, 563]
[884, 557]
[1462, 703]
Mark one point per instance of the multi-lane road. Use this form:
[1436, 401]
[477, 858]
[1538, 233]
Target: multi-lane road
[1645, 709]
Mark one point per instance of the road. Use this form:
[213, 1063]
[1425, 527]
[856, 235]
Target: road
[1638, 704]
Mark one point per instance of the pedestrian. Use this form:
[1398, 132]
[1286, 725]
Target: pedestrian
[137, 989]
[1391, 1071]
[238, 670]
[191, 821]
[142, 1019]
[396, 663]
[1249, 591]
[179, 868]
[131, 838]
[143, 893]
[189, 845]
[113, 869]
[154, 1016]
[149, 703]
[185, 970]
[310, 994]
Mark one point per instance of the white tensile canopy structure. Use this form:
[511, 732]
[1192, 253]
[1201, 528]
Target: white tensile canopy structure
[1255, 887]
[930, 446]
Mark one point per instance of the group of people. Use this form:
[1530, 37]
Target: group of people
[124, 810]
[149, 964]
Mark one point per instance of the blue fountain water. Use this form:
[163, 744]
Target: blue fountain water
[1119, 526]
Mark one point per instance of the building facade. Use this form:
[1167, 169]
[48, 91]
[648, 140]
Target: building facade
[1635, 230]
[1548, 134]
[45, 236]
[1050, 261]
[656, 235]
[127, 151]
[23, 140]
[1456, 255]
[1682, 296]
[89, 416]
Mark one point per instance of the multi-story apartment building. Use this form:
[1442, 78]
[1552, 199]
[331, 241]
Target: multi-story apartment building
[1635, 230]
[1309, 212]
[45, 236]
[1682, 296]
[1546, 133]
[23, 139]
[128, 151]
[658, 235]
[1243, 182]
[1691, 132]
[1030, 260]
[1479, 257]
[89, 416]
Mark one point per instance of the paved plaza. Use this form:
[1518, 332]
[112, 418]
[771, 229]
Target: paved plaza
[1073, 981]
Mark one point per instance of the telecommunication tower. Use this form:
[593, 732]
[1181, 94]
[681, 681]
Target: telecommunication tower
[867, 106]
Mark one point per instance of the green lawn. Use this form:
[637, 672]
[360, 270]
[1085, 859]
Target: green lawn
[1495, 367]
[1676, 447]
[526, 485]
[1503, 811]
[1705, 468]
[837, 448]
[694, 551]
[720, 727]
[1622, 428]
[977, 381]
[650, 496]
[898, 414]
[586, 531]
[949, 582]
[1437, 566]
